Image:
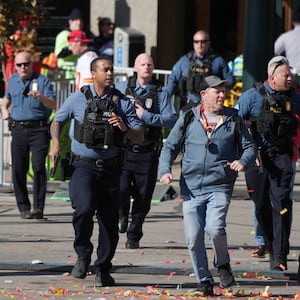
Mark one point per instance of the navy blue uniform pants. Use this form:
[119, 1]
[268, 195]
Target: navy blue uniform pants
[94, 191]
[271, 194]
[24, 141]
[138, 180]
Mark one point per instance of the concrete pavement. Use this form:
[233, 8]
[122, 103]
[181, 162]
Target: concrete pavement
[37, 255]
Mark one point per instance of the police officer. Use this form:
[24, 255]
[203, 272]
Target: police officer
[102, 116]
[190, 69]
[154, 107]
[269, 109]
[31, 98]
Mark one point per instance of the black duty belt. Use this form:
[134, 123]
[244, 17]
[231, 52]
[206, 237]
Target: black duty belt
[29, 124]
[114, 161]
[141, 149]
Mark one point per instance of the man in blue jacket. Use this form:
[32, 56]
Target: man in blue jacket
[216, 146]
[192, 67]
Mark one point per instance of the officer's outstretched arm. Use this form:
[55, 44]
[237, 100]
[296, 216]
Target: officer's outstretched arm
[55, 130]
[136, 135]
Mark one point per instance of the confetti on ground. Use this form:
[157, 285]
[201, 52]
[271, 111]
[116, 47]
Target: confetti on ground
[283, 211]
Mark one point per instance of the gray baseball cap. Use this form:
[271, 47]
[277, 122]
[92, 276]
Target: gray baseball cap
[212, 81]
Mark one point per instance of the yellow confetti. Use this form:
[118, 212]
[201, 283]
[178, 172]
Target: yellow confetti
[97, 289]
[283, 211]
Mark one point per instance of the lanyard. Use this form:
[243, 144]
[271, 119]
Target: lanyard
[209, 126]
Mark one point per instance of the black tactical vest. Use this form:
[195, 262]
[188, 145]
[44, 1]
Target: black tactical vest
[149, 102]
[95, 131]
[198, 69]
[276, 121]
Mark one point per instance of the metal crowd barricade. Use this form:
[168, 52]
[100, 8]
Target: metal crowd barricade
[63, 88]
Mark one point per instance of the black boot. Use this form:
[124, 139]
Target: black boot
[279, 262]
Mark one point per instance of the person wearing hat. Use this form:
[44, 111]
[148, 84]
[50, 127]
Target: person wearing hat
[216, 145]
[66, 60]
[288, 43]
[269, 108]
[78, 45]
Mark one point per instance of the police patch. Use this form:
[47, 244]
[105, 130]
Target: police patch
[148, 103]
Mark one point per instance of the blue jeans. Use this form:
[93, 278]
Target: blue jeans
[208, 213]
[258, 234]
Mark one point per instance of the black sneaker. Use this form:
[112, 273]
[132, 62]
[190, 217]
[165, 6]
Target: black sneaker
[259, 252]
[81, 267]
[37, 214]
[226, 277]
[105, 279]
[26, 214]
[132, 245]
[205, 288]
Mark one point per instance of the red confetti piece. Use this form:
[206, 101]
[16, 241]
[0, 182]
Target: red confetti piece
[249, 275]
[171, 275]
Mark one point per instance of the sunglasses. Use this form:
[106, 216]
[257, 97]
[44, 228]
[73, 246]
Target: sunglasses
[279, 63]
[201, 41]
[25, 64]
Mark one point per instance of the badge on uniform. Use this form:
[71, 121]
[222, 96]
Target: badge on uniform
[148, 103]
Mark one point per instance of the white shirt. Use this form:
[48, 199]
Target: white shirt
[289, 42]
[83, 73]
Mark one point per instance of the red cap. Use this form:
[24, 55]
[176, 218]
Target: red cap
[78, 36]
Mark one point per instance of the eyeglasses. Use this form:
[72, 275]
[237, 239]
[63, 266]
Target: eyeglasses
[201, 41]
[25, 64]
[279, 63]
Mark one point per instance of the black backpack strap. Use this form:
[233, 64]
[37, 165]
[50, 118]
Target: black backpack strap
[86, 90]
[237, 135]
[187, 119]
[131, 86]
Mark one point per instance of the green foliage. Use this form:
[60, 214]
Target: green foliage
[19, 20]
